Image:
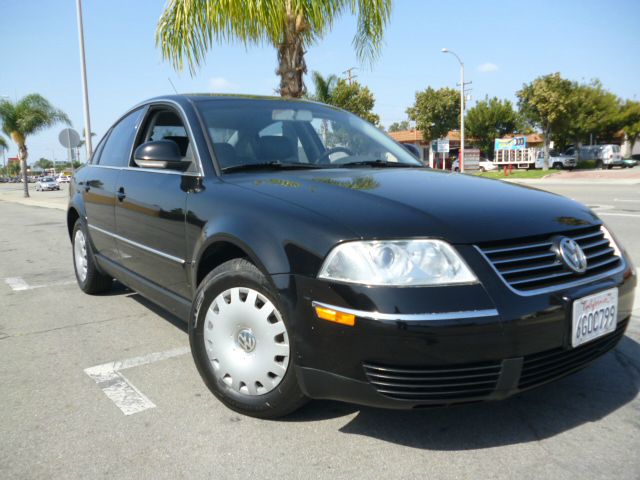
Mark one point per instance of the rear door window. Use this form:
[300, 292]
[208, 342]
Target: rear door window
[117, 148]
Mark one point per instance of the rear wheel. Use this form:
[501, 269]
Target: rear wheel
[241, 343]
[557, 166]
[90, 280]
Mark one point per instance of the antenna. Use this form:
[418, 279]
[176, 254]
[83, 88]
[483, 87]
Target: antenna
[174, 87]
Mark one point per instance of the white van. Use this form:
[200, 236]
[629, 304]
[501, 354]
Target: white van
[608, 155]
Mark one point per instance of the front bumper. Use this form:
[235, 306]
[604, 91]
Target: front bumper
[475, 343]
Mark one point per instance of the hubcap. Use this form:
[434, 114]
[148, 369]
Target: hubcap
[246, 341]
[80, 255]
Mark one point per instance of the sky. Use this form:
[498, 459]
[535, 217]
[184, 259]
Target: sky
[503, 44]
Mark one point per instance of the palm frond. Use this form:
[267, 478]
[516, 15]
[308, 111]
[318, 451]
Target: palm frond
[188, 29]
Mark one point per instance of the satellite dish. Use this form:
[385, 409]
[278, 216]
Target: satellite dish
[69, 138]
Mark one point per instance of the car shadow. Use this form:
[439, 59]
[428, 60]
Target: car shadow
[587, 396]
[121, 289]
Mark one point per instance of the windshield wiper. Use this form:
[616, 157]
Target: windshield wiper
[275, 165]
[378, 163]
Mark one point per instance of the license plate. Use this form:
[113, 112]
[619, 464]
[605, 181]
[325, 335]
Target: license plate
[594, 316]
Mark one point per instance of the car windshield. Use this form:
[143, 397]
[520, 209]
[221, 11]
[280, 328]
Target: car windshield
[250, 133]
[47, 179]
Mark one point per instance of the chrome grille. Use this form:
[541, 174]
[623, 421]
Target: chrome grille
[531, 264]
[460, 382]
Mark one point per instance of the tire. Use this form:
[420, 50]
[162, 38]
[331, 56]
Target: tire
[599, 164]
[89, 278]
[253, 375]
[609, 167]
[557, 166]
[482, 170]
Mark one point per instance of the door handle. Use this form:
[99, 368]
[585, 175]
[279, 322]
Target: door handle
[121, 194]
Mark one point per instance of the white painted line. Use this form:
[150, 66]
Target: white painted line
[611, 214]
[121, 391]
[626, 200]
[18, 284]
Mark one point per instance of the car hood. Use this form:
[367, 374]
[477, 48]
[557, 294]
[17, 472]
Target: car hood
[408, 202]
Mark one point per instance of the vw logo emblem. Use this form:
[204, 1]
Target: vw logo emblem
[570, 253]
[247, 340]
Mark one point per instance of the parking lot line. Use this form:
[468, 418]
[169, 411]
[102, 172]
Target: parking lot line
[18, 284]
[119, 389]
[612, 214]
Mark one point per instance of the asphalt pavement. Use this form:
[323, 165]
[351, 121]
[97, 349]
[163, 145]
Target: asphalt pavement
[59, 420]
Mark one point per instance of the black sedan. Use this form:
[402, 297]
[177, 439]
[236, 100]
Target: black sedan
[314, 257]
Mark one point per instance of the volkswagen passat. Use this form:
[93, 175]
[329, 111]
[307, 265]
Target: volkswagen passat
[314, 257]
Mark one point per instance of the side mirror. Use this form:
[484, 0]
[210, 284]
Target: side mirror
[161, 154]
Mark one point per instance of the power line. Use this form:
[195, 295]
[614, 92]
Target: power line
[349, 75]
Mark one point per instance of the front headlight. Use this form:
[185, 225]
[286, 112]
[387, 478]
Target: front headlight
[396, 263]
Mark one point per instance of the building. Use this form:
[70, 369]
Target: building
[414, 137]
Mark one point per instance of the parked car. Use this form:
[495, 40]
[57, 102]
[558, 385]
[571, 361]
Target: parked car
[629, 163]
[365, 278]
[557, 160]
[605, 156]
[46, 183]
[484, 165]
[63, 179]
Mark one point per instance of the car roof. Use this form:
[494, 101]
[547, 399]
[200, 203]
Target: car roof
[208, 97]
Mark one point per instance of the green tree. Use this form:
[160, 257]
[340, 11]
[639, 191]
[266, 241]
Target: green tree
[630, 119]
[399, 126]
[356, 99]
[546, 103]
[13, 169]
[593, 111]
[25, 117]
[489, 119]
[44, 163]
[435, 112]
[187, 29]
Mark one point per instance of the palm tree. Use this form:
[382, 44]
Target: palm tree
[25, 117]
[187, 29]
[3, 146]
[323, 87]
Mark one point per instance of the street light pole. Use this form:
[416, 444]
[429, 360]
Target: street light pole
[85, 90]
[446, 50]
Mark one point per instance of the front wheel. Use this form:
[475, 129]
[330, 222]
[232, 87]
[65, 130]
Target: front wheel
[241, 342]
[90, 279]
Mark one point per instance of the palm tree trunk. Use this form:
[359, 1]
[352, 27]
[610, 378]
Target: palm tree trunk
[23, 154]
[291, 63]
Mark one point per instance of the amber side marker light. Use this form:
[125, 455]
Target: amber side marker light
[335, 316]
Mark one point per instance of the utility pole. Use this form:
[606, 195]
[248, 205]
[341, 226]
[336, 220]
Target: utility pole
[462, 101]
[85, 90]
[349, 75]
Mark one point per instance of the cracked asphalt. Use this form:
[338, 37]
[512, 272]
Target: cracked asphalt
[56, 422]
